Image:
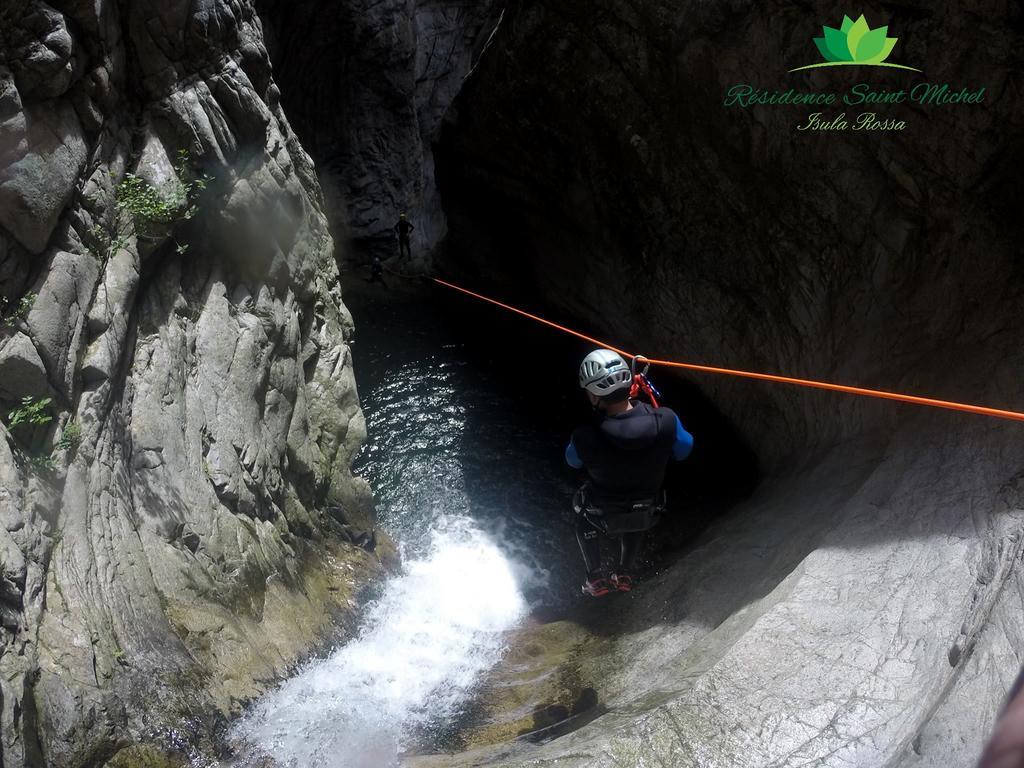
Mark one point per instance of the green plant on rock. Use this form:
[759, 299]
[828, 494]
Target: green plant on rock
[106, 244]
[31, 411]
[149, 208]
[24, 306]
[71, 437]
[147, 204]
[42, 462]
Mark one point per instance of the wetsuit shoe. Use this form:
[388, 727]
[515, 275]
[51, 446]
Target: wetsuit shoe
[596, 587]
[622, 582]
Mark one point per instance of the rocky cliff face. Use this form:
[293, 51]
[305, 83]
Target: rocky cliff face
[179, 413]
[862, 608]
[367, 84]
[887, 259]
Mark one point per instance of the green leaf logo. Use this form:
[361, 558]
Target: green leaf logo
[855, 43]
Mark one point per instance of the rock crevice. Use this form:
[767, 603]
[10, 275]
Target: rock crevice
[367, 86]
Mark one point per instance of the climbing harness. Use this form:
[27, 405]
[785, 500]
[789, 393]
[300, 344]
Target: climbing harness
[980, 410]
[616, 518]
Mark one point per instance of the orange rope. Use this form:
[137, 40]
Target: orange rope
[931, 402]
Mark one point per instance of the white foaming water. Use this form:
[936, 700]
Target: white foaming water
[424, 644]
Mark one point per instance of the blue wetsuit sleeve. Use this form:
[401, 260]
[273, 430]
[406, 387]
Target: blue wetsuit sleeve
[684, 442]
[572, 458]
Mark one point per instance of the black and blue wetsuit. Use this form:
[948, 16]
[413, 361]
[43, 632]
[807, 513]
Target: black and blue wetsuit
[377, 271]
[403, 228]
[625, 456]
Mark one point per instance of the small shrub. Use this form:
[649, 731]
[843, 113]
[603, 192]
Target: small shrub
[42, 462]
[31, 411]
[70, 437]
[105, 244]
[150, 207]
[24, 307]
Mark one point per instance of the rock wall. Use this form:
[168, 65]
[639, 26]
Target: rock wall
[180, 523]
[862, 607]
[366, 85]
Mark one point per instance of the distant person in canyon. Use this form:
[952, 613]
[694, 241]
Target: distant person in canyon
[377, 271]
[625, 451]
[404, 228]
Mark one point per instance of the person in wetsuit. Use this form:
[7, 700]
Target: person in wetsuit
[403, 229]
[377, 271]
[625, 451]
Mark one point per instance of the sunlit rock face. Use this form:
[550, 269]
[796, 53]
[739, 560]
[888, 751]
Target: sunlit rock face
[861, 609]
[182, 529]
[366, 85]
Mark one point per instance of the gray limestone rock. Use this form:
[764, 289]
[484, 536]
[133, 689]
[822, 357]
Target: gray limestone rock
[173, 554]
[58, 313]
[21, 370]
[40, 51]
[38, 182]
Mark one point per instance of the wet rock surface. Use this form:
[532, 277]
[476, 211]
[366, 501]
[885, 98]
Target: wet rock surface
[861, 608]
[171, 489]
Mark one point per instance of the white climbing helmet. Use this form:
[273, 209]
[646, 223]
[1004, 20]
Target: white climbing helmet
[603, 372]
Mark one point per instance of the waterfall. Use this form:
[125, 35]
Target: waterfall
[435, 629]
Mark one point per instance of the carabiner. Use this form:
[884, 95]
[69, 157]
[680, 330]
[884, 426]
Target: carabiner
[636, 360]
